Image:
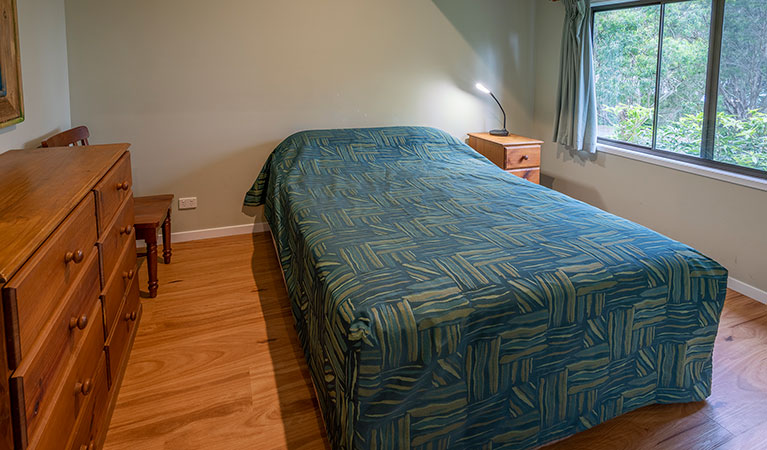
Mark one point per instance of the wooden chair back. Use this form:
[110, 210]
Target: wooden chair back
[75, 136]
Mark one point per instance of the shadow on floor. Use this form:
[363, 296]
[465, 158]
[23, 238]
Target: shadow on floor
[299, 410]
[143, 292]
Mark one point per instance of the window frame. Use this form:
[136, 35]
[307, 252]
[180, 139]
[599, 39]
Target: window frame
[11, 95]
[708, 135]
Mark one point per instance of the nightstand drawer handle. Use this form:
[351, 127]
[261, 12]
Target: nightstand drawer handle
[525, 158]
[127, 229]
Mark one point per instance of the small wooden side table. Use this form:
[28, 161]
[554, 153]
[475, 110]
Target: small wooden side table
[517, 155]
[151, 213]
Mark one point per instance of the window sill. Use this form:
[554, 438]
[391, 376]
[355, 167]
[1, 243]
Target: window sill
[721, 175]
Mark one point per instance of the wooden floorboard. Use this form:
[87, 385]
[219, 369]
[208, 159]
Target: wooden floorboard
[217, 365]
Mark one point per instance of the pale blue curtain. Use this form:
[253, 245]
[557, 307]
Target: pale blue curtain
[576, 121]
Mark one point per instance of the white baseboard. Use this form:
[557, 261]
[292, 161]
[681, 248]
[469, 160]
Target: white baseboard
[747, 290]
[209, 233]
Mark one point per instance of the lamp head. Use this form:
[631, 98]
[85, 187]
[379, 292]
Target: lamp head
[482, 88]
[501, 132]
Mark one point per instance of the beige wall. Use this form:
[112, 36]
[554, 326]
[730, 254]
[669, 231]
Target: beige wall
[42, 40]
[726, 221]
[205, 90]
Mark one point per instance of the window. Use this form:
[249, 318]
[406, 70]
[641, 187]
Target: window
[685, 79]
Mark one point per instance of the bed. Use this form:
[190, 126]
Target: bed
[443, 303]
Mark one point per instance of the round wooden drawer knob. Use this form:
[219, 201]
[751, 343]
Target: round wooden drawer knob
[128, 275]
[124, 186]
[80, 322]
[84, 387]
[525, 158]
[127, 229]
[130, 316]
[75, 256]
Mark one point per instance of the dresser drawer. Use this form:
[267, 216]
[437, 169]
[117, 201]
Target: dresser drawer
[533, 175]
[522, 157]
[56, 432]
[42, 370]
[112, 190]
[32, 295]
[118, 344]
[91, 425]
[58, 409]
[114, 239]
[118, 283]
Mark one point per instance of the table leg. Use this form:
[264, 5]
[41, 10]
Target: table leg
[151, 262]
[166, 250]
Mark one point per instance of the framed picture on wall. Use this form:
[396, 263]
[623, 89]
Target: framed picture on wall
[11, 98]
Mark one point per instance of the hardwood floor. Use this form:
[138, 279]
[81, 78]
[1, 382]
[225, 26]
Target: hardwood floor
[217, 365]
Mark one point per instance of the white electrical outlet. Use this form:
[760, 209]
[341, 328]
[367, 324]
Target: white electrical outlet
[187, 203]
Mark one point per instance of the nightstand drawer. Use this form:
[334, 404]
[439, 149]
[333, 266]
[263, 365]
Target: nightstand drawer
[518, 155]
[533, 175]
[522, 157]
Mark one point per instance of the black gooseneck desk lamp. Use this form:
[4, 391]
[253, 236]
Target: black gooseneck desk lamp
[504, 131]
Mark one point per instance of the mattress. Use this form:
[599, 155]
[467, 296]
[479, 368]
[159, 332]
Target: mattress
[443, 303]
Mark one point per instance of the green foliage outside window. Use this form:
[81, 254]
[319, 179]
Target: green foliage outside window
[626, 43]
[739, 142]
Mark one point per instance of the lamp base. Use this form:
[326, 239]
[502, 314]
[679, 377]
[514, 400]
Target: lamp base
[503, 132]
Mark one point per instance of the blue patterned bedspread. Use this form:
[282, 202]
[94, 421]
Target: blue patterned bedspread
[443, 303]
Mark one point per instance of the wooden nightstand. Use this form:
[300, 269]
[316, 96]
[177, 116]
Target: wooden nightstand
[517, 155]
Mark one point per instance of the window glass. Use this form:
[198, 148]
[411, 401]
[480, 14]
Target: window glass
[625, 59]
[741, 131]
[682, 89]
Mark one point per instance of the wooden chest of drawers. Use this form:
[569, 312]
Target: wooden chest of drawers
[70, 303]
[517, 155]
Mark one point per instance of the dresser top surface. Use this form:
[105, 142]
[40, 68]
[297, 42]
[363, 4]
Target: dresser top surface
[512, 139]
[38, 189]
